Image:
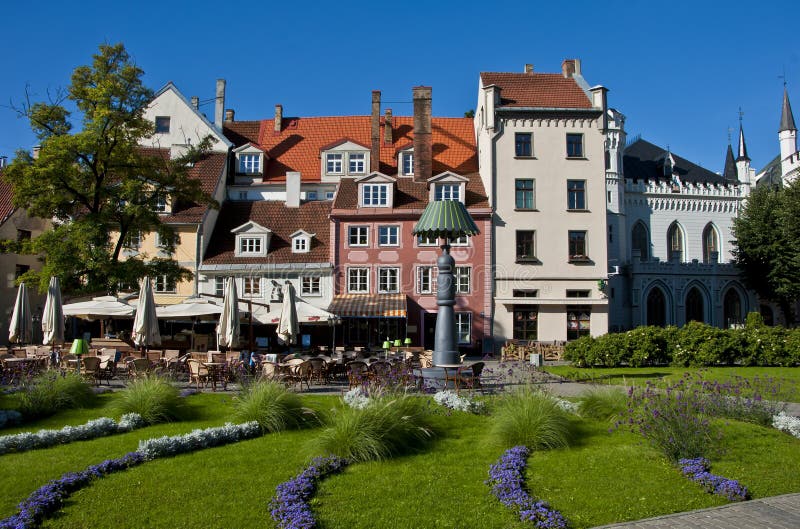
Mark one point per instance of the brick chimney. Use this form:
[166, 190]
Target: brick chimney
[423, 144]
[278, 118]
[219, 105]
[229, 113]
[375, 135]
[528, 68]
[195, 102]
[571, 67]
[387, 126]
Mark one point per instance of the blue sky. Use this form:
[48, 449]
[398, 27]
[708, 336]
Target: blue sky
[678, 71]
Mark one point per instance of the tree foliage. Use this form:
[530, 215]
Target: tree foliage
[767, 244]
[99, 181]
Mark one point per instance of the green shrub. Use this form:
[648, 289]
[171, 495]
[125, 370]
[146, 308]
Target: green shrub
[154, 398]
[274, 407]
[602, 403]
[51, 392]
[647, 346]
[579, 351]
[531, 418]
[611, 350]
[388, 426]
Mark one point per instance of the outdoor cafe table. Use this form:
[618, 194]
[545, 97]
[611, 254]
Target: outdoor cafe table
[216, 373]
[439, 376]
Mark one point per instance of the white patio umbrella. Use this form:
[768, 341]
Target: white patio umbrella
[189, 308]
[21, 325]
[53, 315]
[229, 326]
[100, 307]
[145, 324]
[288, 327]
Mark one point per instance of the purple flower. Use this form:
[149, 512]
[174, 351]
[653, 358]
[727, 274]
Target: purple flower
[697, 470]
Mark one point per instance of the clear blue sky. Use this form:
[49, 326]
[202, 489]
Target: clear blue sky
[679, 71]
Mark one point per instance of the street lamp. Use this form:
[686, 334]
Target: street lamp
[333, 321]
[448, 219]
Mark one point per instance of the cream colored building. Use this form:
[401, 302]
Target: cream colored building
[541, 144]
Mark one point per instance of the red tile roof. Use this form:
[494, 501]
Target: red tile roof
[540, 90]
[411, 195]
[312, 217]
[241, 132]
[6, 207]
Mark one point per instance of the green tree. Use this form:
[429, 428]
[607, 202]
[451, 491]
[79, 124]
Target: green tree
[767, 244]
[100, 180]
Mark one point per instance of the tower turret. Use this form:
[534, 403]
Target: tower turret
[745, 173]
[787, 134]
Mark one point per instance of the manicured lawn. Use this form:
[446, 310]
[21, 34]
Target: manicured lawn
[602, 478]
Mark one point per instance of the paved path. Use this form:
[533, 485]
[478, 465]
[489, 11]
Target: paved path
[778, 512]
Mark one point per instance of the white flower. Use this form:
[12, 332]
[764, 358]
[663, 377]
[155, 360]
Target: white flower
[787, 423]
[356, 398]
[450, 399]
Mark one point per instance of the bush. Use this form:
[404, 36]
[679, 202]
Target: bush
[273, 407]
[51, 392]
[602, 403]
[647, 346]
[579, 351]
[154, 398]
[531, 418]
[388, 426]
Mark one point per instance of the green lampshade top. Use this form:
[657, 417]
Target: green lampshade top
[397, 343]
[387, 345]
[79, 347]
[407, 341]
[445, 218]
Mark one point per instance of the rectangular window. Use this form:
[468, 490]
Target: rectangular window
[299, 245]
[133, 240]
[251, 287]
[249, 163]
[219, 286]
[447, 192]
[578, 322]
[20, 269]
[388, 280]
[524, 190]
[374, 195]
[160, 204]
[578, 293]
[310, 286]
[525, 293]
[464, 327]
[424, 240]
[462, 279]
[357, 163]
[358, 235]
[388, 235]
[242, 195]
[522, 144]
[249, 245]
[460, 241]
[311, 195]
[407, 160]
[576, 194]
[329, 195]
[23, 235]
[425, 280]
[162, 124]
[577, 246]
[574, 145]
[333, 163]
[526, 245]
[358, 280]
[526, 323]
[162, 285]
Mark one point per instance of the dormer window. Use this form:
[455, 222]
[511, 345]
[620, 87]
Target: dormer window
[357, 161]
[301, 241]
[252, 240]
[406, 162]
[447, 186]
[249, 160]
[250, 245]
[447, 192]
[334, 163]
[345, 158]
[374, 195]
[160, 205]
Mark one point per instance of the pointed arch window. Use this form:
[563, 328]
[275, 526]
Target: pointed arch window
[694, 306]
[675, 242]
[732, 308]
[710, 245]
[640, 240]
[656, 308]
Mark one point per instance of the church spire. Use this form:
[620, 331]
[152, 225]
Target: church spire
[787, 118]
[742, 146]
[730, 174]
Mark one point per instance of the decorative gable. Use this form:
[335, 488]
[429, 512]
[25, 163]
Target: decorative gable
[252, 240]
[249, 162]
[447, 186]
[301, 241]
[376, 190]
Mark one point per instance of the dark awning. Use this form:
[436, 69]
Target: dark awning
[369, 305]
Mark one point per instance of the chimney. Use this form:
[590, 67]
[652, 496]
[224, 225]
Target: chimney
[571, 67]
[387, 127]
[292, 189]
[3, 161]
[195, 102]
[36, 149]
[229, 115]
[219, 103]
[528, 68]
[278, 118]
[422, 134]
[375, 122]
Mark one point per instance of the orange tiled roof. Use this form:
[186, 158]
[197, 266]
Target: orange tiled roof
[241, 132]
[6, 207]
[541, 90]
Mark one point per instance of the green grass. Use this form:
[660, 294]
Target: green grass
[154, 398]
[273, 407]
[603, 403]
[601, 478]
[531, 418]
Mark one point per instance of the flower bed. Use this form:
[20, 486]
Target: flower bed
[289, 508]
[101, 427]
[198, 439]
[697, 470]
[787, 423]
[451, 400]
[507, 479]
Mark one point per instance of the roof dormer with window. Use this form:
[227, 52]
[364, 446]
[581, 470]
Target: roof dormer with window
[344, 158]
[376, 190]
[252, 240]
[447, 186]
[405, 160]
[301, 241]
[249, 164]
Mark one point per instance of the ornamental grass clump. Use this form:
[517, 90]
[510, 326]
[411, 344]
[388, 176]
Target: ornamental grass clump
[602, 403]
[388, 426]
[273, 407]
[697, 470]
[153, 398]
[51, 392]
[755, 400]
[531, 418]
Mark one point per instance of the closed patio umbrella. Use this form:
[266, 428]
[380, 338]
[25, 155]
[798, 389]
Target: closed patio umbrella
[53, 315]
[288, 327]
[21, 325]
[229, 327]
[145, 323]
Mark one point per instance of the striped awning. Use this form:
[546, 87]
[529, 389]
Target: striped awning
[369, 306]
[445, 218]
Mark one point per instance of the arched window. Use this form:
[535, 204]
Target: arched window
[640, 241]
[675, 242]
[710, 245]
[694, 306]
[732, 308]
[656, 308]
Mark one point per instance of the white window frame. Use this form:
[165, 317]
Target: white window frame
[249, 163]
[311, 195]
[388, 280]
[462, 279]
[300, 244]
[426, 274]
[251, 287]
[460, 241]
[161, 205]
[250, 245]
[329, 195]
[389, 235]
[310, 286]
[407, 163]
[162, 286]
[375, 195]
[423, 241]
[361, 277]
[133, 240]
[463, 328]
[219, 286]
[356, 163]
[447, 191]
[334, 163]
[361, 230]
